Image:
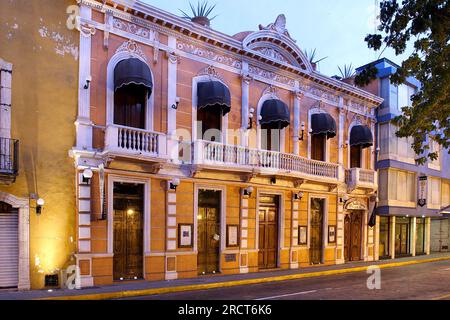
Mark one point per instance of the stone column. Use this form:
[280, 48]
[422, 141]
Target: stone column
[297, 100]
[413, 236]
[341, 131]
[428, 235]
[84, 123]
[172, 138]
[392, 238]
[171, 235]
[340, 259]
[294, 233]
[243, 256]
[246, 79]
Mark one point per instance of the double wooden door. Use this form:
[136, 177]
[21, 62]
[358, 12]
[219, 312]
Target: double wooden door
[268, 232]
[208, 235]
[353, 236]
[128, 232]
[316, 230]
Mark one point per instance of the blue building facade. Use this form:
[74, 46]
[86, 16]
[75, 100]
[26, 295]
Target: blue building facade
[410, 196]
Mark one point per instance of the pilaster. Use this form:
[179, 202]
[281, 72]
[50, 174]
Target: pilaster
[297, 100]
[392, 237]
[172, 68]
[294, 254]
[243, 256]
[171, 235]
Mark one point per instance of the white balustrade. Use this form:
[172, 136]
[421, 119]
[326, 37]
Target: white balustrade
[134, 141]
[231, 155]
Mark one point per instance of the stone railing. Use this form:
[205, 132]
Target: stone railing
[212, 153]
[134, 141]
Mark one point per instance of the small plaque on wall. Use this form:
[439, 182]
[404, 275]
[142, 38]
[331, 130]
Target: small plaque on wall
[232, 236]
[302, 235]
[331, 234]
[185, 238]
[230, 258]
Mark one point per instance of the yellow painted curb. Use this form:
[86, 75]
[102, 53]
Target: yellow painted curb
[206, 286]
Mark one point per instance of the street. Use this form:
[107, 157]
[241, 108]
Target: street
[429, 281]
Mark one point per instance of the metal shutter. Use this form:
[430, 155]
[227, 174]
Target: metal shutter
[9, 250]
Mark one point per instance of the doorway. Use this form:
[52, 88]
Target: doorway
[420, 236]
[355, 156]
[402, 234]
[208, 235]
[128, 207]
[268, 231]
[9, 246]
[316, 230]
[353, 236]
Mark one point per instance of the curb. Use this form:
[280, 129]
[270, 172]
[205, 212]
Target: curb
[197, 287]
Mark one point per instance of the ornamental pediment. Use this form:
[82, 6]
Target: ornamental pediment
[274, 42]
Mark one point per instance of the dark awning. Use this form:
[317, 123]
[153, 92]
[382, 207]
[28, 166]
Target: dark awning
[214, 94]
[132, 71]
[361, 136]
[323, 123]
[275, 114]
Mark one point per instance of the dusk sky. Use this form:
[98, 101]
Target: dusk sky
[335, 28]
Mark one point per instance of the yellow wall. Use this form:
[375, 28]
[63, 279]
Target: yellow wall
[44, 54]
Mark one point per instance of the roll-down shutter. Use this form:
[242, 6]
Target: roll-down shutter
[9, 249]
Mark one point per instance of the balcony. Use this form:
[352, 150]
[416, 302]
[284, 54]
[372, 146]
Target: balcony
[135, 143]
[237, 158]
[9, 160]
[361, 178]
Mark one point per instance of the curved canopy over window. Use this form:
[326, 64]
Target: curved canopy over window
[323, 123]
[133, 71]
[214, 94]
[361, 136]
[275, 114]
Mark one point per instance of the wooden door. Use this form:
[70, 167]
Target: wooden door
[402, 239]
[268, 232]
[353, 236]
[316, 227]
[208, 232]
[128, 233]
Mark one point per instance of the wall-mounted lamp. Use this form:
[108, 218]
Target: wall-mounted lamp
[39, 205]
[250, 118]
[273, 180]
[176, 104]
[344, 199]
[173, 185]
[345, 145]
[87, 176]
[248, 191]
[88, 82]
[298, 195]
[302, 137]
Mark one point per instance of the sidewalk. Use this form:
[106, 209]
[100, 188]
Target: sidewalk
[144, 288]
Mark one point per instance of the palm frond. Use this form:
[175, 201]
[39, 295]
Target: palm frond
[311, 56]
[346, 71]
[203, 9]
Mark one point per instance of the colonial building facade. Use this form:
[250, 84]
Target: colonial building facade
[411, 196]
[201, 153]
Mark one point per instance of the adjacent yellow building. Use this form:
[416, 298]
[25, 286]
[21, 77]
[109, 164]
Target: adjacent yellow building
[39, 76]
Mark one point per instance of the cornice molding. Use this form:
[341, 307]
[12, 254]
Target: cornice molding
[169, 24]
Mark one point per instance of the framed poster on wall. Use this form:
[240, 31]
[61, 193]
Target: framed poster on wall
[302, 235]
[331, 234]
[185, 237]
[232, 236]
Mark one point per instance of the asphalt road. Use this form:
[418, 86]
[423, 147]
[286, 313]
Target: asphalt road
[423, 281]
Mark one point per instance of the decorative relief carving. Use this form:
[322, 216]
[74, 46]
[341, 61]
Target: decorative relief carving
[272, 53]
[208, 54]
[272, 91]
[211, 72]
[279, 26]
[132, 28]
[133, 48]
[256, 71]
[87, 30]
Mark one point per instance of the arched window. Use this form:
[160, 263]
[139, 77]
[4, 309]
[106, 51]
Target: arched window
[360, 138]
[323, 127]
[275, 116]
[132, 87]
[214, 102]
